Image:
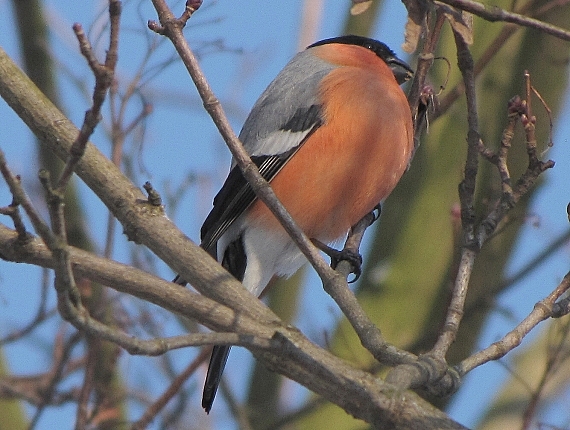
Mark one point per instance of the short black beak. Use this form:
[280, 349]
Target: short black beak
[402, 72]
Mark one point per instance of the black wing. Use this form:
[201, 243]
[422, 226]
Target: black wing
[236, 195]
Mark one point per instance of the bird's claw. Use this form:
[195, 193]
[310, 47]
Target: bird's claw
[336, 256]
[354, 258]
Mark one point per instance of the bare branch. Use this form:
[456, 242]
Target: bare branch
[104, 75]
[142, 223]
[133, 281]
[494, 13]
[22, 198]
[13, 212]
[542, 311]
[517, 109]
[170, 392]
[41, 315]
[557, 354]
[466, 195]
[420, 95]
[62, 352]
[282, 347]
[492, 49]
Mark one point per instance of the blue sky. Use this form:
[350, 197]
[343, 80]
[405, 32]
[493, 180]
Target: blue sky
[258, 37]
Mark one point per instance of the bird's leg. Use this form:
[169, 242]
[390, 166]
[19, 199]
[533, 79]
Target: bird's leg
[347, 254]
[354, 258]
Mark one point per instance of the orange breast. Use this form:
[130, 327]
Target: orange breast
[354, 160]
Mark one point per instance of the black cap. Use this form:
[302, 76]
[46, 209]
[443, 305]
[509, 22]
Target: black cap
[402, 71]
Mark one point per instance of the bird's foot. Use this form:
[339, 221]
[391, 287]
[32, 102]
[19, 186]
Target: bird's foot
[354, 258]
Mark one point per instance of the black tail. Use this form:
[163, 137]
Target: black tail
[235, 262]
[215, 369]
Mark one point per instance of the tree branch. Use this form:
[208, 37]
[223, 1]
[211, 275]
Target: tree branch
[466, 196]
[142, 222]
[282, 347]
[494, 13]
[543, 310]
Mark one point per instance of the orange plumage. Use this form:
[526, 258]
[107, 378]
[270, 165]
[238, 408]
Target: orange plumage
[355, 159]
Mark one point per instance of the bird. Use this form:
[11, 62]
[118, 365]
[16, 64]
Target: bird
[333, 135]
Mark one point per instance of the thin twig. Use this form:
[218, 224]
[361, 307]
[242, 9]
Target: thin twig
[173, 389]
[42, 314]
[528, 268]
[20, 195]
[104, 75]
[466, 196]
[542, 311]
[511, 195]
[492, 49]
[494, 13]
[86, 388]
[13, 212]
[556, 355]
[62, 352]
[420, 96]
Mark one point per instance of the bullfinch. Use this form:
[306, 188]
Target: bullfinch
[333, 135]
